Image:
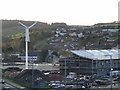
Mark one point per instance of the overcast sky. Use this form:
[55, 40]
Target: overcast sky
[72, 12]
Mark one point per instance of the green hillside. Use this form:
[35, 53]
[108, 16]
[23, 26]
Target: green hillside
[11, 27]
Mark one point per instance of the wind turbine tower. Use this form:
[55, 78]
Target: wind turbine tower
[27, 39]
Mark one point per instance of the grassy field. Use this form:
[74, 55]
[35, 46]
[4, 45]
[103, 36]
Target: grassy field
[17, 36]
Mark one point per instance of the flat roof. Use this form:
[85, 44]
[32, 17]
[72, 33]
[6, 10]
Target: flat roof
[98, 54]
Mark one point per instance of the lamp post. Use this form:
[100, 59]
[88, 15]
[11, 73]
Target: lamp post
[65, 71]
[32, 73]
[92, 68]
[27, 40]
[110, 70]
[92, 72]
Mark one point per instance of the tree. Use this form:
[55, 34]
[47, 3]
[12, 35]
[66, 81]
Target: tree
[9, 49]
[44, 54]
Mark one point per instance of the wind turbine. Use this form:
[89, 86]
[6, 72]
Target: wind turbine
[27, 40]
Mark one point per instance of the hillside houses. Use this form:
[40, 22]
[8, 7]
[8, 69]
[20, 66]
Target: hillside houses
[63, 38]
[66, 39]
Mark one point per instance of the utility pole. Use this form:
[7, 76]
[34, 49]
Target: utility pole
[92, 73]
[65, 71]
[110, 70]
[27, 40]
[32, 73]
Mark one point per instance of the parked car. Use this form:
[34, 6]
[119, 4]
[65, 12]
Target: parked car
[2, 81]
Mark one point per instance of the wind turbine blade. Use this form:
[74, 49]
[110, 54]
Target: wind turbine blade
[22, 24]
[32, 25]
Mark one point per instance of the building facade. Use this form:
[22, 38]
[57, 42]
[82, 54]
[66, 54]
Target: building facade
[89, 62]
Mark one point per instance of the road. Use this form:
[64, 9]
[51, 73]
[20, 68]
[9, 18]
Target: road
[5, 85]
[41, 67]
[8, 85]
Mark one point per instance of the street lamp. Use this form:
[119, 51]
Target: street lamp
[110, 69]
[92, 72]
[32, 72]
[65, 71]
[92, 68]
[27, 40]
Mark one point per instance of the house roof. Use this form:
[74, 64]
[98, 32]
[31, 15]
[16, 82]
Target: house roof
[98, 54]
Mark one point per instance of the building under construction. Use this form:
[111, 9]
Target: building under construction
[89, 62]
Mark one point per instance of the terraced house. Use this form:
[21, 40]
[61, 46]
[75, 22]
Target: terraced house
[89, 62]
